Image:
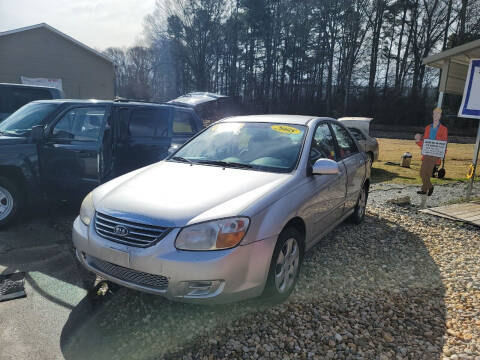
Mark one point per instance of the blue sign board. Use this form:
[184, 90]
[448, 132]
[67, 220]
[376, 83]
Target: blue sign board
[470, 107]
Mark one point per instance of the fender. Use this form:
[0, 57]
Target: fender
[19, 161]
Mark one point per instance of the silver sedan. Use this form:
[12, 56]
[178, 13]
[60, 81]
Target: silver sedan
[229, 215]
[360, 129]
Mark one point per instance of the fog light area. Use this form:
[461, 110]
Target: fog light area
[201, 288]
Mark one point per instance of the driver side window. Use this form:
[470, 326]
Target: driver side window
[80, 124]
[323, 144]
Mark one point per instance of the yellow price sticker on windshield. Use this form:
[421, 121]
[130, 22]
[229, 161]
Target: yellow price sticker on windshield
[285, 129]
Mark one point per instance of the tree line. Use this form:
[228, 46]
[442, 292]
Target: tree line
[320, 57]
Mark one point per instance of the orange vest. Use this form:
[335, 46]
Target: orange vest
[442, 134]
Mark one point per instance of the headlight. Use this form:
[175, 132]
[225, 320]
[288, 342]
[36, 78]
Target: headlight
[87, 210]
[213, 235]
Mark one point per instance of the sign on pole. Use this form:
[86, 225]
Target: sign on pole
[470, 108]
[434, 148]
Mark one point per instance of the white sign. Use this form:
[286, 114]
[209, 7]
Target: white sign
[56, 83]
[434, 148]
[470, 107]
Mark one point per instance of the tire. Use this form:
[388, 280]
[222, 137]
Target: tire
[10, 201]
[370, 156]
[359, 212]
[288, 252]
[441, 173]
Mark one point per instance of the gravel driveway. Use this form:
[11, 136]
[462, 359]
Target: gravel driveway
[403, 285]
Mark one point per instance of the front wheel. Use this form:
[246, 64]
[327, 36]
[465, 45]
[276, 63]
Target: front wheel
[10, 201]
[285, 265]
[359, 213]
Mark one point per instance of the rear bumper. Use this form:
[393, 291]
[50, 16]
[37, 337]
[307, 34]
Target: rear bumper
[192, 276]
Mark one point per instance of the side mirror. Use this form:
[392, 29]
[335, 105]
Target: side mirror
[37, 133]
[325, 167]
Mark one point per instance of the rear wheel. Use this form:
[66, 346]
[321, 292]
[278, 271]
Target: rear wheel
[371, 157]
[10, 201]
[359, 213]
[285, 265]
[441, 173]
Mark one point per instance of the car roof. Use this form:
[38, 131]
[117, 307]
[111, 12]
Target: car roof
[355, 118]
[273, 118]
[96, 101]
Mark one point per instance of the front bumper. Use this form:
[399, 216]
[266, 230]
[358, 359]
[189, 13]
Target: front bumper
[191, 276]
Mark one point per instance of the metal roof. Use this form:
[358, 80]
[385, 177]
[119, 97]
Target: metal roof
[58, 32]
[460, 54]
[454, 64]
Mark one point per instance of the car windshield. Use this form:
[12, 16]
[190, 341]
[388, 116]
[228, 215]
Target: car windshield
[258, 146]
[22, 120]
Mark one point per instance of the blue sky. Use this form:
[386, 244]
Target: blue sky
[96, 23]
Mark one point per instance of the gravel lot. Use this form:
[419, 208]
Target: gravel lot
[403, 285]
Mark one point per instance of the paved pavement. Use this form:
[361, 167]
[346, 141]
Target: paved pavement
[30, 327]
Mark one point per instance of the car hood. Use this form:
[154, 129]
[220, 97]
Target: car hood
[177, 194]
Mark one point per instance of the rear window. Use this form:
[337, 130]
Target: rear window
[357, 134]
[183, 123]
[14, 97]
[148, 123]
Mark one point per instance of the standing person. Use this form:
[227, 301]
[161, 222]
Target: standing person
[434, 131]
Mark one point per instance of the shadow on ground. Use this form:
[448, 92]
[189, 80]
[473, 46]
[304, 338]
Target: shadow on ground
[40, 244]
[375, 285]
[379, 175]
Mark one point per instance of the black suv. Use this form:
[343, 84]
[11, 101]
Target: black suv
[62, 149]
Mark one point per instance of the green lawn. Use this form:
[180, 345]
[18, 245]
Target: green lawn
[459, 157]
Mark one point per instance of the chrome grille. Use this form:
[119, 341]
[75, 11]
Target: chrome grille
[128, 232]
[157, 282]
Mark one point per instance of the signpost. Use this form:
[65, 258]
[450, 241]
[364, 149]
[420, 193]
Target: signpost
[470, 108]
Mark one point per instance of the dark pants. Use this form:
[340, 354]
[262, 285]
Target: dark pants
[428, 163]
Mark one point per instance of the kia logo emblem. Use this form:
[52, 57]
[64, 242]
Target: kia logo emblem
[121, 230]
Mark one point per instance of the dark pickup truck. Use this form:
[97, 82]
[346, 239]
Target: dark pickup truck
[62, 149]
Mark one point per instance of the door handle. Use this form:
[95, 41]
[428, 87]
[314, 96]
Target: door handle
[83, 154]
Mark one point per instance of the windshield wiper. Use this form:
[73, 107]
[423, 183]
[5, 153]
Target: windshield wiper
[226, 164]
[182, 159]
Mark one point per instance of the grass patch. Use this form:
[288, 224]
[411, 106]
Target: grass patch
[459, 157]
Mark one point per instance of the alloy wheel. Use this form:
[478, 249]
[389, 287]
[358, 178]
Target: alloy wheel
[6, 203]
[287, 265]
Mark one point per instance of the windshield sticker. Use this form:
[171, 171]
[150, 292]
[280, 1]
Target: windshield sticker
[285, 129]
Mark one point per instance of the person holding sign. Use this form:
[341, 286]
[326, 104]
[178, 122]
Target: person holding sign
[434, 131]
